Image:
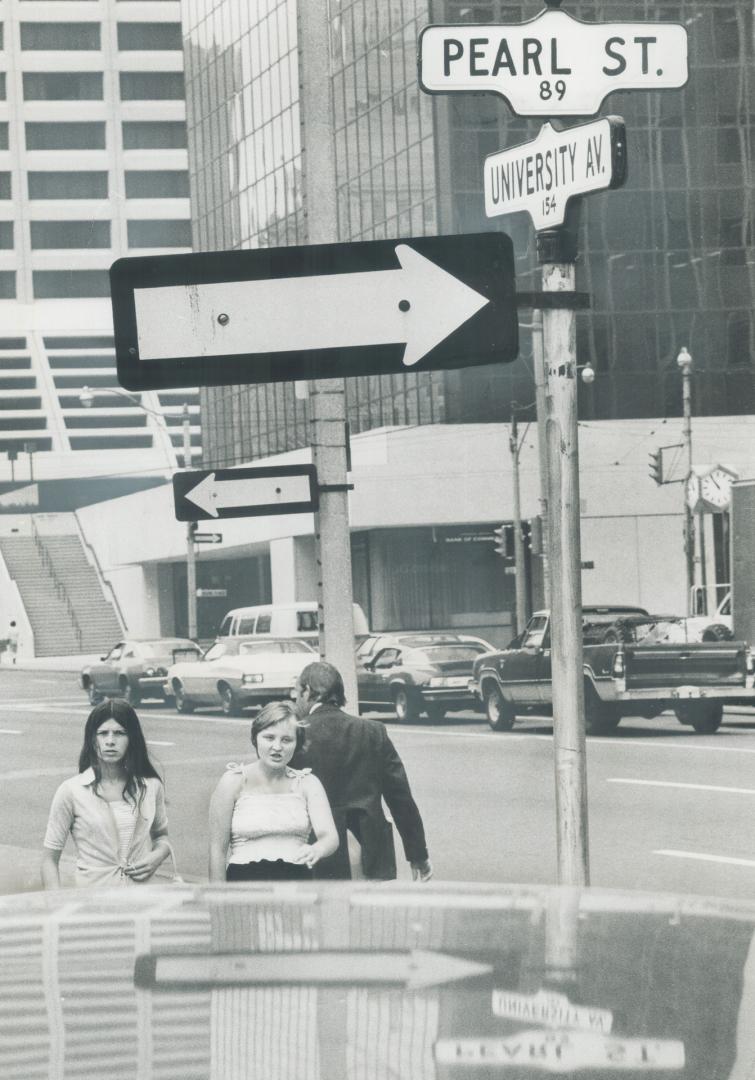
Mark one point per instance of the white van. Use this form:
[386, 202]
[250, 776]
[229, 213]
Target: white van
[281, 620]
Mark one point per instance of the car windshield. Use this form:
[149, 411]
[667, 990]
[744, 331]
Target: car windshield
[255, 648]
[439, 654]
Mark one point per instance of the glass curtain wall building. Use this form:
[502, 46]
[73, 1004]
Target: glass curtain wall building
[668, 259]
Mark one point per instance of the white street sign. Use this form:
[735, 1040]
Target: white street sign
[541, 176]
[553, 65]
[563, 1051]
[550, 1008]
[419, 304]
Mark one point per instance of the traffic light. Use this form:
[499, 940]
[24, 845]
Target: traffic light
[656, 466]
[504, 541]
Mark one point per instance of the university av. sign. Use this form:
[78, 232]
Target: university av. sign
[553, 65]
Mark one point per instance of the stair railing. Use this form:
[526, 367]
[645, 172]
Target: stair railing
[60, 588]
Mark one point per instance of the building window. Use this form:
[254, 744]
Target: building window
[149, 36]
[2, 86]
[4, 185]
[151, 85]
[6, 235]
[154, 135]
[2, 36]
[157, 184]
[62, 86]
[67, 185]
[59, 284]
[3, 134]
[70, 234]
[60, 35]
[7, 285]
[65, 136]
[143, 234]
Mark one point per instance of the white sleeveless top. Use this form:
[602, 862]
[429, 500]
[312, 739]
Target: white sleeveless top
[125, 822]
[269, 825]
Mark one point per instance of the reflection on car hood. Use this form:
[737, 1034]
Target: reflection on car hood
[338, 981]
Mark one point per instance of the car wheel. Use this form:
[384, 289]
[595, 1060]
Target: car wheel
[95, 697]
[717, 632]
[405, 703]
[436, 714]
[228, 700]
[183, 705]
[129, 693]
[600, 719]
[500, 713]
[705, 718]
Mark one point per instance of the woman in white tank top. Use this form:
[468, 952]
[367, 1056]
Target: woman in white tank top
[262, 815]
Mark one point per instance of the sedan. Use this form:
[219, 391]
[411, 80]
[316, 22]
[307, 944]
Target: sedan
[237, 672]
[135, 669]
[418, 672]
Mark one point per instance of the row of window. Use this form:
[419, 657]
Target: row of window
[96, 234]
[140, 184]
[86, 36]
[90, 135]
[88, 86]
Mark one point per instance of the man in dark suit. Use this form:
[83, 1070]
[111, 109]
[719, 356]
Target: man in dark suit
[357, 765]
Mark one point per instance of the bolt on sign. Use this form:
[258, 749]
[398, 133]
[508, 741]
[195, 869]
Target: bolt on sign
[541, 176]
[553, 65]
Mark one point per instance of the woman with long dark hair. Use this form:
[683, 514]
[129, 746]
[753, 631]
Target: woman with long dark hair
[114, 810]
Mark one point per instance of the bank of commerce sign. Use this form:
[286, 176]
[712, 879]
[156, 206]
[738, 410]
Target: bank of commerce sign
[553, 65]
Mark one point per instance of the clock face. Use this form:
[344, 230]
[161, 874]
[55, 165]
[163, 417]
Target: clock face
[693, 491]
[715, 488]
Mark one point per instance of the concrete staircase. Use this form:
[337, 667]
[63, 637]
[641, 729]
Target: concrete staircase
[62, 594]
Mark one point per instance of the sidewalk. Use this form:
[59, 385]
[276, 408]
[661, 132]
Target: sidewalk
[50, 663]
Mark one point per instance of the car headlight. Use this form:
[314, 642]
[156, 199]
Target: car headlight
[438, 680]
[249, 679]
[150, 672]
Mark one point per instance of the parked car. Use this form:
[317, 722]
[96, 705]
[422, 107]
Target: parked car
[135, 669]
[412, 673]
[718, 626]
[238, 672]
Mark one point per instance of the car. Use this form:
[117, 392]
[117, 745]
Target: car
[414, 673]
[238, 672]
[135, 669]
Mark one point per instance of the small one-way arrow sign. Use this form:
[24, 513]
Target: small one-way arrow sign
[415, 970]
[207, 538]
[224, 493]
[321, 311]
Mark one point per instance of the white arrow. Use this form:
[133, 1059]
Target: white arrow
[332, 311]
[211, 494]
[412, 970]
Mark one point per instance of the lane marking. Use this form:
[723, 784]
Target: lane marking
[66, 770]
[679, 784]
[10, 731]
[158, 742]
[700, 857]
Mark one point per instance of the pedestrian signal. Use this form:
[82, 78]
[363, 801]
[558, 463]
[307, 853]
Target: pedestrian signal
[656, 466]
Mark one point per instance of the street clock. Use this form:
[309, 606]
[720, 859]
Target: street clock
[715, 488]
[693, 491]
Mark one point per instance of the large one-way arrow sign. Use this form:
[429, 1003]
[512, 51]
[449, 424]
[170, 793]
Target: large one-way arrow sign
[322, 311]
[224, 493]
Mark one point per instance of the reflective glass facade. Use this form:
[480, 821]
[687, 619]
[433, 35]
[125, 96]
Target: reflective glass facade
[668, 259]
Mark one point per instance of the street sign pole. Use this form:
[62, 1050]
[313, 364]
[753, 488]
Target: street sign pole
[521, 597]
[191, 553]
[557, 252]
[327, 397]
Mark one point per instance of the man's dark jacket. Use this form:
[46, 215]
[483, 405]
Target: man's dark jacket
[357, 764]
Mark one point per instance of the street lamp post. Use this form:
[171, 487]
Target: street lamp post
[86, 397]
[684, 361]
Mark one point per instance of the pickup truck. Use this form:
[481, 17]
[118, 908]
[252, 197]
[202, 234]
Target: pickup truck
[634, 665]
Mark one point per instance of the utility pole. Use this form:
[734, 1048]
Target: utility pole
[684, 361]
[327, 397]
[557, 253]
[191, 555]
[521, 594]
[538, 368]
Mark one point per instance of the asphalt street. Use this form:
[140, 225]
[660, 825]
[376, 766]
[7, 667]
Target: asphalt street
[669, 810]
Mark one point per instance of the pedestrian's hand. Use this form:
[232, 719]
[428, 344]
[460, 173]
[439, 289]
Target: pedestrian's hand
[308, 856]
[144, 868]
[422, 871]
